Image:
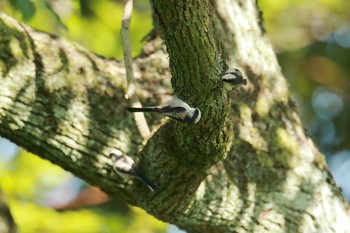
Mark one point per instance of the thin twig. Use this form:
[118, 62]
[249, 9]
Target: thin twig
[131, 92]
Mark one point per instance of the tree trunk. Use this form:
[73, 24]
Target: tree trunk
[247, 166]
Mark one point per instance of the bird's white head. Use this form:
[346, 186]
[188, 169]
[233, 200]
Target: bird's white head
[197, 115]
[116, 153]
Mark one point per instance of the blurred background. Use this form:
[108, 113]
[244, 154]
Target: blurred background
[311, 39]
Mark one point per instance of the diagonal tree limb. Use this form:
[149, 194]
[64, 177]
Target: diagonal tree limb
[272, 180]
[131, 92]
[64, 103]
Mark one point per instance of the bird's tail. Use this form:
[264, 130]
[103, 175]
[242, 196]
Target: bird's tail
[152, 186]
[143, 109]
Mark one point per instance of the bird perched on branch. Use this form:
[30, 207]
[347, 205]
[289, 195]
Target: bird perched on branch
[175, 108]
[233, 77]
[126, 168]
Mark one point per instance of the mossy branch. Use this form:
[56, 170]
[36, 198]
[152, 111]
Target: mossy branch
[66, 104]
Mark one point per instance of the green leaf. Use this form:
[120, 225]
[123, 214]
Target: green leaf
[26, 7]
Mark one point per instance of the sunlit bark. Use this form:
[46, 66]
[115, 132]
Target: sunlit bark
[247, 166]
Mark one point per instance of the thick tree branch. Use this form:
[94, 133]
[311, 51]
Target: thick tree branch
[196, 63]
[273, 178]
[265, 184]
[64, 103]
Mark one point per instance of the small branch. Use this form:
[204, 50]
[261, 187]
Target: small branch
[131, 92]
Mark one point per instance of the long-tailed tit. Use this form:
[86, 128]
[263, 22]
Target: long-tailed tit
[176, 109]
[126, 168]
[233, 77]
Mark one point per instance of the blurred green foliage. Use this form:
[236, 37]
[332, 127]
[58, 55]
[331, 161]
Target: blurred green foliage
[26, 180]
[312, 41]
[294, 24]
[26, 8]
[94, 24]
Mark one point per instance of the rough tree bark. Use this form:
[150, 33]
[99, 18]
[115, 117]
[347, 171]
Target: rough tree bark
[247, 166]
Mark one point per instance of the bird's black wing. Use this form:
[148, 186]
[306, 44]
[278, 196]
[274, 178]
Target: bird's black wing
[169, 109]
[152, 186]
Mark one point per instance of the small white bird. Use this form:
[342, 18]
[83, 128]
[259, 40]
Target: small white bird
[233, 77]
[176, 109]
[126, 168]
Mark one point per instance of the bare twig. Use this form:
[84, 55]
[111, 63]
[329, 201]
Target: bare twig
[131, 92]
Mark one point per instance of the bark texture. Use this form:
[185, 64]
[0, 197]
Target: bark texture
[247, 166]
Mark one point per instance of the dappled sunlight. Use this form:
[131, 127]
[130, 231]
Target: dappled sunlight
[15, 48]
[248, 206]
[264, 102]
[247, 130]
[270, 213]
[76, 122]
[292, 183]
[271, 158]
[10, 88]
[272, 90]
[287, 142]
[200, 192]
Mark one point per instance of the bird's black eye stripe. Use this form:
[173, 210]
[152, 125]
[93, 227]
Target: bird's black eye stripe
[195, 114]
[179, 109]
[234, 73]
